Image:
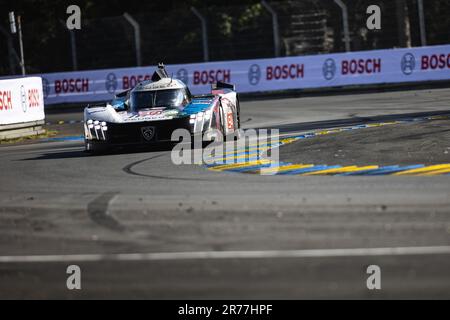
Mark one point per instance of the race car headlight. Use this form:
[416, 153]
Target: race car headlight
[193, 118]
[200, 115]
[97, 129]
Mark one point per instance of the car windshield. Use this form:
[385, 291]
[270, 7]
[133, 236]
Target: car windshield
[157, 98]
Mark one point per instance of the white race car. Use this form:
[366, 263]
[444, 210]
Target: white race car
[152, 110]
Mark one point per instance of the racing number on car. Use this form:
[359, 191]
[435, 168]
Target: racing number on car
[230, 122]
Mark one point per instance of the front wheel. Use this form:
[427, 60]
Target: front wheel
[87, 146]
[92, 148]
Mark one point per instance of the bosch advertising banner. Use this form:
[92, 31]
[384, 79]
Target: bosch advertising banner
[21, 100]
[328, 70]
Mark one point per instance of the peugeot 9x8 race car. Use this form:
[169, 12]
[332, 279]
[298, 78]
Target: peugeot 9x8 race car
[152, 110]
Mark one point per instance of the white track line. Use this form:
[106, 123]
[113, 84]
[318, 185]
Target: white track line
[313, 253]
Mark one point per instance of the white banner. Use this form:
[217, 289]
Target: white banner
[328, 70]
[21, 100]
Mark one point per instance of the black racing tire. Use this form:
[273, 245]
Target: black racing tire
[93, 148]
[88, 148]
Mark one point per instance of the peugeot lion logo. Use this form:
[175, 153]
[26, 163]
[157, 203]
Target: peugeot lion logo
[148, 133]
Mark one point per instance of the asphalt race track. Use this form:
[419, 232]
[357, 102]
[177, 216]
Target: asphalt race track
[141, 227]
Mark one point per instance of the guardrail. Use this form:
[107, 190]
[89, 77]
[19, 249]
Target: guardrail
[21, 107]
[12, 131]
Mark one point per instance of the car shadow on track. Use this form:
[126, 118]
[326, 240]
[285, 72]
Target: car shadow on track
[70, 154]
[287, 128]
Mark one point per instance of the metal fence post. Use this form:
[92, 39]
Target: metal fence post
[275, 27]
[423, 34]
[344, 23]
[73, 47]
[403, 28]
[22, 57]
[11, 51]
[204, 33]
[137, 37]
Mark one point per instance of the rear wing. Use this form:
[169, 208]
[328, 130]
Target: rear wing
[219, 85]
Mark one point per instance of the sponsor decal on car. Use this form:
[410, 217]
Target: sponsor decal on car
[150, 113]
[147, 115]
[230, 122]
